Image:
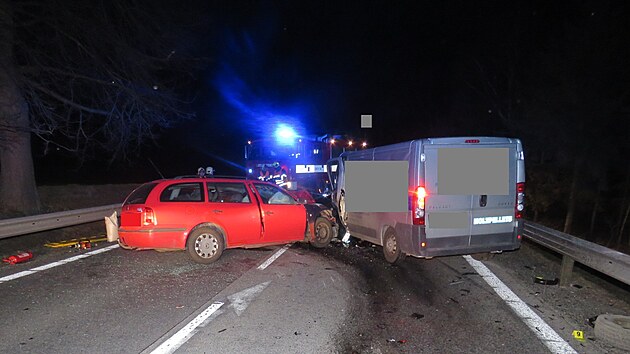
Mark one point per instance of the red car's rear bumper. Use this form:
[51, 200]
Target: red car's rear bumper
[155, 238]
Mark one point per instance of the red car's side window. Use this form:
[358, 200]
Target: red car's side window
[183, 192]
[274, 195]
[228, 192]
[140, 194]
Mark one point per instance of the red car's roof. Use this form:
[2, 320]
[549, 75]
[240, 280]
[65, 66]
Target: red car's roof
[199, 179]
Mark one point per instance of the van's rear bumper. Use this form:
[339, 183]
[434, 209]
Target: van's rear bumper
[465, 244]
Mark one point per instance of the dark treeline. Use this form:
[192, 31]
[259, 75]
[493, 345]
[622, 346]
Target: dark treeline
[557, 76]
[560, 82]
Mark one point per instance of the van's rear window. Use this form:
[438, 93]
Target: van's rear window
[139, 196]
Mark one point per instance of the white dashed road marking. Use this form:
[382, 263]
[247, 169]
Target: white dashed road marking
[239, 301]
[545, 333]
[189, 330]
[273, 257]
[55, 264]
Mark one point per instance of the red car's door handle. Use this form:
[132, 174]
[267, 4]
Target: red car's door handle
[217, 211]
[269, 212]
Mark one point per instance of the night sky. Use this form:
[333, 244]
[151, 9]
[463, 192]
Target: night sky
[418, 67]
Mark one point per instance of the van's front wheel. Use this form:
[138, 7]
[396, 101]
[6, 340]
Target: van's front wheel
[323, 233]
[391, 251]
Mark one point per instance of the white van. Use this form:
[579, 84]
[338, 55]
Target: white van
[432, 197]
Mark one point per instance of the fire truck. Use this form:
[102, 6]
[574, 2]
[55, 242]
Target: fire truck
[299, 161]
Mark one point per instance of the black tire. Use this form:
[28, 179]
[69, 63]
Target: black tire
[205, 245]
[391, 251]
[614, 329]
[323, 233]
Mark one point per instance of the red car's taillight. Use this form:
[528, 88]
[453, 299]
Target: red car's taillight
[148, 217]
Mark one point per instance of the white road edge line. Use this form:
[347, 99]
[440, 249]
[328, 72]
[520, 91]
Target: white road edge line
[543, 331]
[189, 330]
[274, 257]
[55, 264]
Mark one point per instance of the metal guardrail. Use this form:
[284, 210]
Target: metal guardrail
[43, 222]
[610, 262]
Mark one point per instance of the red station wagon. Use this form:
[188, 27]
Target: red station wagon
[207, 215]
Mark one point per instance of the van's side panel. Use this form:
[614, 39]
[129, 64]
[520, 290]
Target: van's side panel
[370, 226]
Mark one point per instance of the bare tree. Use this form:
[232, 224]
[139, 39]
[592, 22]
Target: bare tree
[86, 77]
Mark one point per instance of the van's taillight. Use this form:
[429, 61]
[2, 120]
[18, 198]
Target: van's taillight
[418, 205]
[520, 199]
[149, 217]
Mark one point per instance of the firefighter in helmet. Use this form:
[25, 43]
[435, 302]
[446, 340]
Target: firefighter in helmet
[279, 174]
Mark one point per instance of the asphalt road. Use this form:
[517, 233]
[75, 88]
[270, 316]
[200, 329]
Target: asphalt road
[337, 300]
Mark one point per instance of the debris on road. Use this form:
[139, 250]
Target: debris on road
[417, 316]
[591, 321]
[83, 245]
[20, 257]
[543, 281]
[346, 240]
[75, 241]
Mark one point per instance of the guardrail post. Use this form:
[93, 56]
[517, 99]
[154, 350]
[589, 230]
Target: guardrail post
[566, 270]
[610, 262]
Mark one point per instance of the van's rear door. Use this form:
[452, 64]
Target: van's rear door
[493, 220]
[471, 185]
[447, 215]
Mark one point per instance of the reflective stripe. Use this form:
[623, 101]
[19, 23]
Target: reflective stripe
[310, 168]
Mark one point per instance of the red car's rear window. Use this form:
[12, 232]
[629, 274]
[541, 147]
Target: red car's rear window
[139, 196]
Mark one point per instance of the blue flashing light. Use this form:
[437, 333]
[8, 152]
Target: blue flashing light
[285, 135]
[250, 171]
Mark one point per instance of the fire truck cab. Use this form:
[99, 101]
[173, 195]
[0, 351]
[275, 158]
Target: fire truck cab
[301, 163]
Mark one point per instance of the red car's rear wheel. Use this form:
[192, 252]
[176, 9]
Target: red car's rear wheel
[205, 245]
